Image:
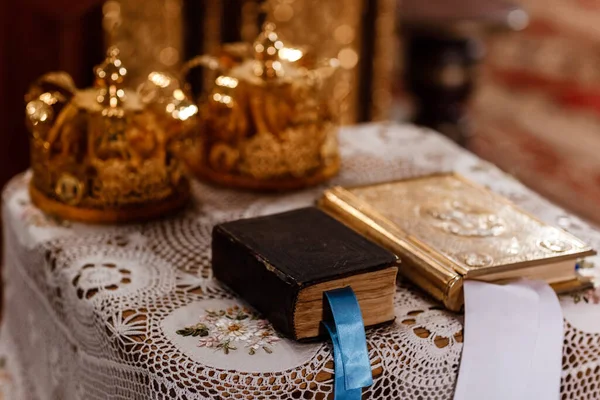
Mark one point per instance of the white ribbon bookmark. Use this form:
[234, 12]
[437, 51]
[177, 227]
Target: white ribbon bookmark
[513, 338]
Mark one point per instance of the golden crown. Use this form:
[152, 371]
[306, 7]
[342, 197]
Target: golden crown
[268, 121]
[108, 153]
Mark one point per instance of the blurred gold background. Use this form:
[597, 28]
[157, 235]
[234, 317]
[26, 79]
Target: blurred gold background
[535, 110]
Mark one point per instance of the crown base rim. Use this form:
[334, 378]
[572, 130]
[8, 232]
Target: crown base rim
[224, 179]
[139, 213]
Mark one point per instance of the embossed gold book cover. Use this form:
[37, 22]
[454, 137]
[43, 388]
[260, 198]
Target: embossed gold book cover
[447, 229]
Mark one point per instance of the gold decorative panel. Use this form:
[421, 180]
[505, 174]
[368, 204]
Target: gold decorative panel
[149, 34]
[385, 58]
[332, 29]
[467, 224]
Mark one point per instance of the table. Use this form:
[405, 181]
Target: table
[96, 312]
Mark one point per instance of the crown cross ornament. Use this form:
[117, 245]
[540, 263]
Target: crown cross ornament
[106, 154]
[110, 76]
[266, 52]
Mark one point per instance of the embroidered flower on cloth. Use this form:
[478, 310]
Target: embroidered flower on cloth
[235, 326]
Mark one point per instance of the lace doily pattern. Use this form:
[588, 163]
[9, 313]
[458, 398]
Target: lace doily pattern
[133, 312]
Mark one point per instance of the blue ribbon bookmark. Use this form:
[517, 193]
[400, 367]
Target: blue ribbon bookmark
[350, 355]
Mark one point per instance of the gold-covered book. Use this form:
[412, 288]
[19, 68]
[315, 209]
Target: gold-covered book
[446, 229]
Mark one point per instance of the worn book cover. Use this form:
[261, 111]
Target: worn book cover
[282, 264]
[446, 229]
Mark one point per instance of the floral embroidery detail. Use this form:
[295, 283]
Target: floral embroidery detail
[194, 330]
[236, 326]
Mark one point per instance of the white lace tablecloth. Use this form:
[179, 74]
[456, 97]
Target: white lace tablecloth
[132, 312]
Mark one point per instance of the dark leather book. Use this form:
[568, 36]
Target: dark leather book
[282, 264]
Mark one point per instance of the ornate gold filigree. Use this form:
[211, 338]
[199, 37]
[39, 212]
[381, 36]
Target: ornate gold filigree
[99, 153]
[267, 122]
[448, 229]
[482, 228]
